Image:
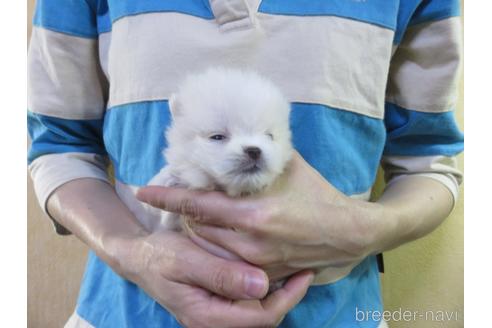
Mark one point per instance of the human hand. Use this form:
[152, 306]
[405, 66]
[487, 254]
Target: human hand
[191, 283]
[301, 222]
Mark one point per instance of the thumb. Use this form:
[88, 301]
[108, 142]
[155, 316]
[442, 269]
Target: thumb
[284, 299]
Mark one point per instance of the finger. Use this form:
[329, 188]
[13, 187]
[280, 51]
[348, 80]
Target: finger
[231, 279]
[284, 299]
[220, 312]
[174, 295]
[204, 207]
[213, 248]
[236, 242]
[233, 245]
[266, 313]
[256, 250]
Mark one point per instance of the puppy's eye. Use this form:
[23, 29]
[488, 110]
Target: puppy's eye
[217, 137]
[270, 135]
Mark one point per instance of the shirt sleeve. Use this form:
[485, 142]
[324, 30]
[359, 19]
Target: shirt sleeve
[422, 135]
[67, 93]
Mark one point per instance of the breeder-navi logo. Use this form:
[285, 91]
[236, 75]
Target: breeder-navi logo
[406, 315]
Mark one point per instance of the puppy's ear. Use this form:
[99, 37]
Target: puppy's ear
[174, 105]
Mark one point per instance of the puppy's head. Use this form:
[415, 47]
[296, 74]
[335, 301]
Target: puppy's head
[232, 128]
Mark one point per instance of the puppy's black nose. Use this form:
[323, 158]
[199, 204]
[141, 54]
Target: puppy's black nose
[253, 152]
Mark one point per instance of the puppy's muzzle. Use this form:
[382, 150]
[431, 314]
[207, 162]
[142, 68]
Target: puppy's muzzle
[253, 152]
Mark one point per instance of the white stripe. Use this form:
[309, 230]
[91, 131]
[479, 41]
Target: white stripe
[329, 274]
[233, 14]
[65, 79]
[51, 171]
[363, 196]
[395, 165]
[425, 68]
[328, 60]
[104, 45]
[441, 168]
[76, 321]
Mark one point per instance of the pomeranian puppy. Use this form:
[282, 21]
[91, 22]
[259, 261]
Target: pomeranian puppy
[229, 132]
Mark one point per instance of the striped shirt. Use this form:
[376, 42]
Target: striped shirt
[370, 82]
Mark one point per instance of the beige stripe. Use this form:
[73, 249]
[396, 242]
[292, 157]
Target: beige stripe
[104, 45]
[76, 321]
[425, 68]
[441, 168]
[331, 274]
[363, 196]
[323, 59]
[65, 79]
[394, 165]
[51, 171]
[232, 14]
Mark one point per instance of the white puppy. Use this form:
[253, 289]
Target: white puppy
[229, 132]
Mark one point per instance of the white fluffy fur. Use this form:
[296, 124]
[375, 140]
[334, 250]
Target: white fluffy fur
[244, 107]
[249, 111]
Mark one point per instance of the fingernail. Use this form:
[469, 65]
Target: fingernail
[255, 285]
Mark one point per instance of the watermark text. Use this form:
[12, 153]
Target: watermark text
[406, 315]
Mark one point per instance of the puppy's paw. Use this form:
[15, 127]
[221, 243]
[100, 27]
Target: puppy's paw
[165, 179]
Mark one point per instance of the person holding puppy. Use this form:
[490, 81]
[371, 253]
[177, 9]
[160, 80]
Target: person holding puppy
[368, 82]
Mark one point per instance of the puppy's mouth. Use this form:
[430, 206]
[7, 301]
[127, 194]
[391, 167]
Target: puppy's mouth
[251, 169]
[248, 168]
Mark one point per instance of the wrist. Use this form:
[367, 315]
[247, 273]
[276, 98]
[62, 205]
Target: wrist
[375, 227]
[384, 228]
[123, 252]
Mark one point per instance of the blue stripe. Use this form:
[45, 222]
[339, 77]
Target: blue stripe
[120, 8]
[134, 139]
[92, 17]
[432, 10]
[413, 133]
[379, 12]
[103, 17]
[413, 12]
[52, 135]
[405, 12]
[75, 18]
[104, 23]
[106, 300]
[343, 146]
[334, 305]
